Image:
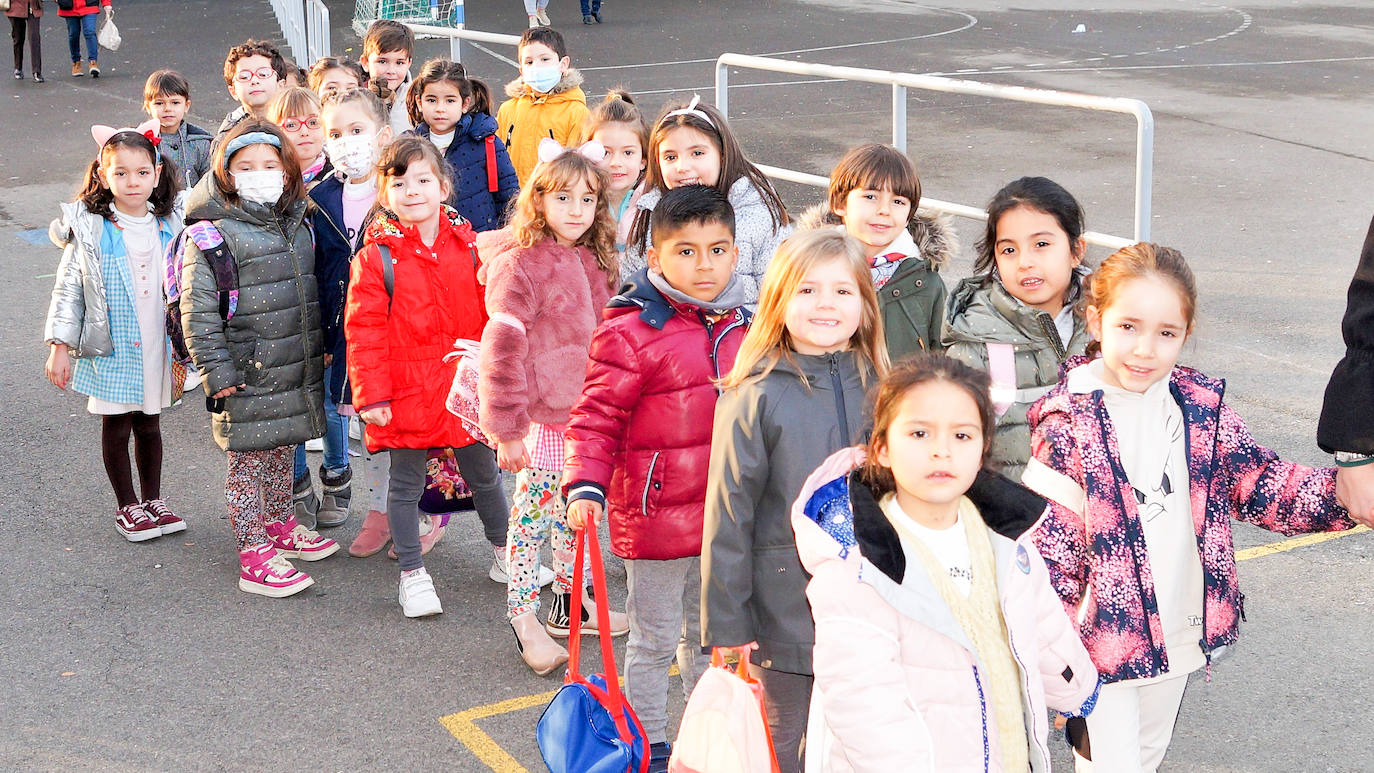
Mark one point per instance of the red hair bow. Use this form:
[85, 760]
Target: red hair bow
[153, 137]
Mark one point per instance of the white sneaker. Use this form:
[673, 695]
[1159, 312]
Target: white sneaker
[355, 428]
[543, 17]
[417, 595]
[316, 445]
[499, 574]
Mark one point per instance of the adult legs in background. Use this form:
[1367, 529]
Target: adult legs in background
[787, 701]
[74, 38]
[17, 37]
[88, 24]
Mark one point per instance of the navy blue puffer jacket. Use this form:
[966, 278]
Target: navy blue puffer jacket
[467, 158]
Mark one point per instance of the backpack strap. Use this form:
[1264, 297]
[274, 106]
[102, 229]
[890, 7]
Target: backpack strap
[1002, 369]
[491, 163]
[388, 274]
[226, 270]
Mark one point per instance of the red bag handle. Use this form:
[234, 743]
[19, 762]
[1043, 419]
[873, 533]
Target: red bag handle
[491, 164]
[616, 706]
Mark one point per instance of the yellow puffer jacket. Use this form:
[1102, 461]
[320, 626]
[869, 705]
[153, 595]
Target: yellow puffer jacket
[529, 116]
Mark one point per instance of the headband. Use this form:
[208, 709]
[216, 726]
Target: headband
[102, 134]
[550, 150]
[691, 109]
[251, 138]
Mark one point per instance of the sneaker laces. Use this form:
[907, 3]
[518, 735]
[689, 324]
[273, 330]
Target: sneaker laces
[157, 508]
[279, 565]
[304, 535]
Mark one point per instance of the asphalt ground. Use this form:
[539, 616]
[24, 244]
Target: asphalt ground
[146, 657]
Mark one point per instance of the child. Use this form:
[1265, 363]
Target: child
[639, 439]
[402, 320]
[546, 101]
[107, 311]
[874, 192]
[619, 126]
[355, 131]
[261, 367]
[1018, 317]
[1146, 563]
[794, 396]
[548, 275]
[691, 143]
[167, 99]
[254, 71]
[334, 75]
[296, 111]
[387, 50]
[454, 112]
[939, 640]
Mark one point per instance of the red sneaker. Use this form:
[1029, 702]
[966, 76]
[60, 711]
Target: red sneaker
[136, 524]
[167, 521]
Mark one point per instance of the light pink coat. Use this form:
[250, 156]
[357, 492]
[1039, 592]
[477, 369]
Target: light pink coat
[897, 681]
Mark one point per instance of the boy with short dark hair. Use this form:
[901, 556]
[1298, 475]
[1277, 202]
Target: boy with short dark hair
[545, 101]
[388, 48]
[639, 438]
[167, 99]
[254, 71]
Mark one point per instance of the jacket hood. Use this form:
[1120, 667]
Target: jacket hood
[934, 234]
[980, 310]
[655, 308]
[570, 82]
[205, 202]
[845, 512]
[386, 228]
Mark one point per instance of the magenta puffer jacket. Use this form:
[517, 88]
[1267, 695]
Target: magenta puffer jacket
[1094, 544]
[640, 436]
[898, 685]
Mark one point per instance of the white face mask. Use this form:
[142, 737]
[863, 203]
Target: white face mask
[262, 186]
[354, 155]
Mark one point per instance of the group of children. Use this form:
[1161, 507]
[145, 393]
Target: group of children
[759, 408]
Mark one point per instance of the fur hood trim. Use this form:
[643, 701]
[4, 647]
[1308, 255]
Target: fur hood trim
[933, 233]
[571, 79]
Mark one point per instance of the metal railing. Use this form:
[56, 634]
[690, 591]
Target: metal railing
[901, 81]
[305, 25]
[458, 33]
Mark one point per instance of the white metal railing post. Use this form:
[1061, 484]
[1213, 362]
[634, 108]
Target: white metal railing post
[455, 44]
[901, 81]
[899, 117]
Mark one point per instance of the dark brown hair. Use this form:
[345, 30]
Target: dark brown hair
[295, 76]
[733, 164]
[619, 107]
[166, 83]
[252, 48]
[385, 35]
[326, 63]
[98, 199]
[406, 150]
[1038, 193]
[875, 167]
[546, 35]
[444, 70]
[1139, 261]
[906, 375]
[224, 181]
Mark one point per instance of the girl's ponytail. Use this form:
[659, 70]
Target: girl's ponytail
[481, 97]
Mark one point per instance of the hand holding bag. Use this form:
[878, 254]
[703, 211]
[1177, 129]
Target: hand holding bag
[723, 728]
[588, 727]
[108, 37]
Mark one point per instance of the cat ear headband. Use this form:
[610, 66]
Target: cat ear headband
[102, 134]
[691, 109]
[550, 150]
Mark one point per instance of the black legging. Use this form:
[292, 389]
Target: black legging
[114, 449]
[19, 29]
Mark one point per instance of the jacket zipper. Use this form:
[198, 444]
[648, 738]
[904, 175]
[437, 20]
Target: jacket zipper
[1051, 332]
[717, 340]
[983, 707]
[648, 483]
[838, 386]
[300, 294]
[1034, 730]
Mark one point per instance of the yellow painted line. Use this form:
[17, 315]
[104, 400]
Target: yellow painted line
[1296, 542]
[463, 726]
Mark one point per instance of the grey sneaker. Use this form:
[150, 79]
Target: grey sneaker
[336, 499]
[306, 504]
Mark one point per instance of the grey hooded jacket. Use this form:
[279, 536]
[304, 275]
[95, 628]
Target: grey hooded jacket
[272, 344]
[768, 437]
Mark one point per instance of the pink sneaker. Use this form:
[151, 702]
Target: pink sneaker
[293, 540]
[372, 537]
[266, 572]
[136, 524]
[167, 521]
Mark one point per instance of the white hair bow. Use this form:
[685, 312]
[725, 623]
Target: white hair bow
[549, 150]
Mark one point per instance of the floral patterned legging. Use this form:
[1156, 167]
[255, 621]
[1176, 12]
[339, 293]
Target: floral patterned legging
[258, 490]
[538, 514]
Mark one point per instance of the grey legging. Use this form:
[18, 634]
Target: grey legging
[477, 465]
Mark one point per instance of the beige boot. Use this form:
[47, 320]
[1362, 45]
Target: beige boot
[619, 621]
[542, 654]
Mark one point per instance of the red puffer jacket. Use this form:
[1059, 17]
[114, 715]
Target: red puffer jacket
[84, 8]
[396, 345]
[641, 432]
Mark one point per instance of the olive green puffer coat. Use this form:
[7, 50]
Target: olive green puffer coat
[272, 343]
[981, 311]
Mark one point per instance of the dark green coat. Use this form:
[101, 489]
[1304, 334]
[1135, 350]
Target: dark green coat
[272, 343]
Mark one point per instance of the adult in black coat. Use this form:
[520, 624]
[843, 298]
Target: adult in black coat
[1346, 427]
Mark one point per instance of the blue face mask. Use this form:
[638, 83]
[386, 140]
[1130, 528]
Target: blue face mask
[541, 79]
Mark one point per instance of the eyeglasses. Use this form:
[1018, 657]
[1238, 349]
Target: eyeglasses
[292, 124]
[262, 73]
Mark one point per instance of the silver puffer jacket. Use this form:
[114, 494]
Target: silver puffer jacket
[78, 315]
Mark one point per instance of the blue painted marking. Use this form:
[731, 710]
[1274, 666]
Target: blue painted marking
[35, 236]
